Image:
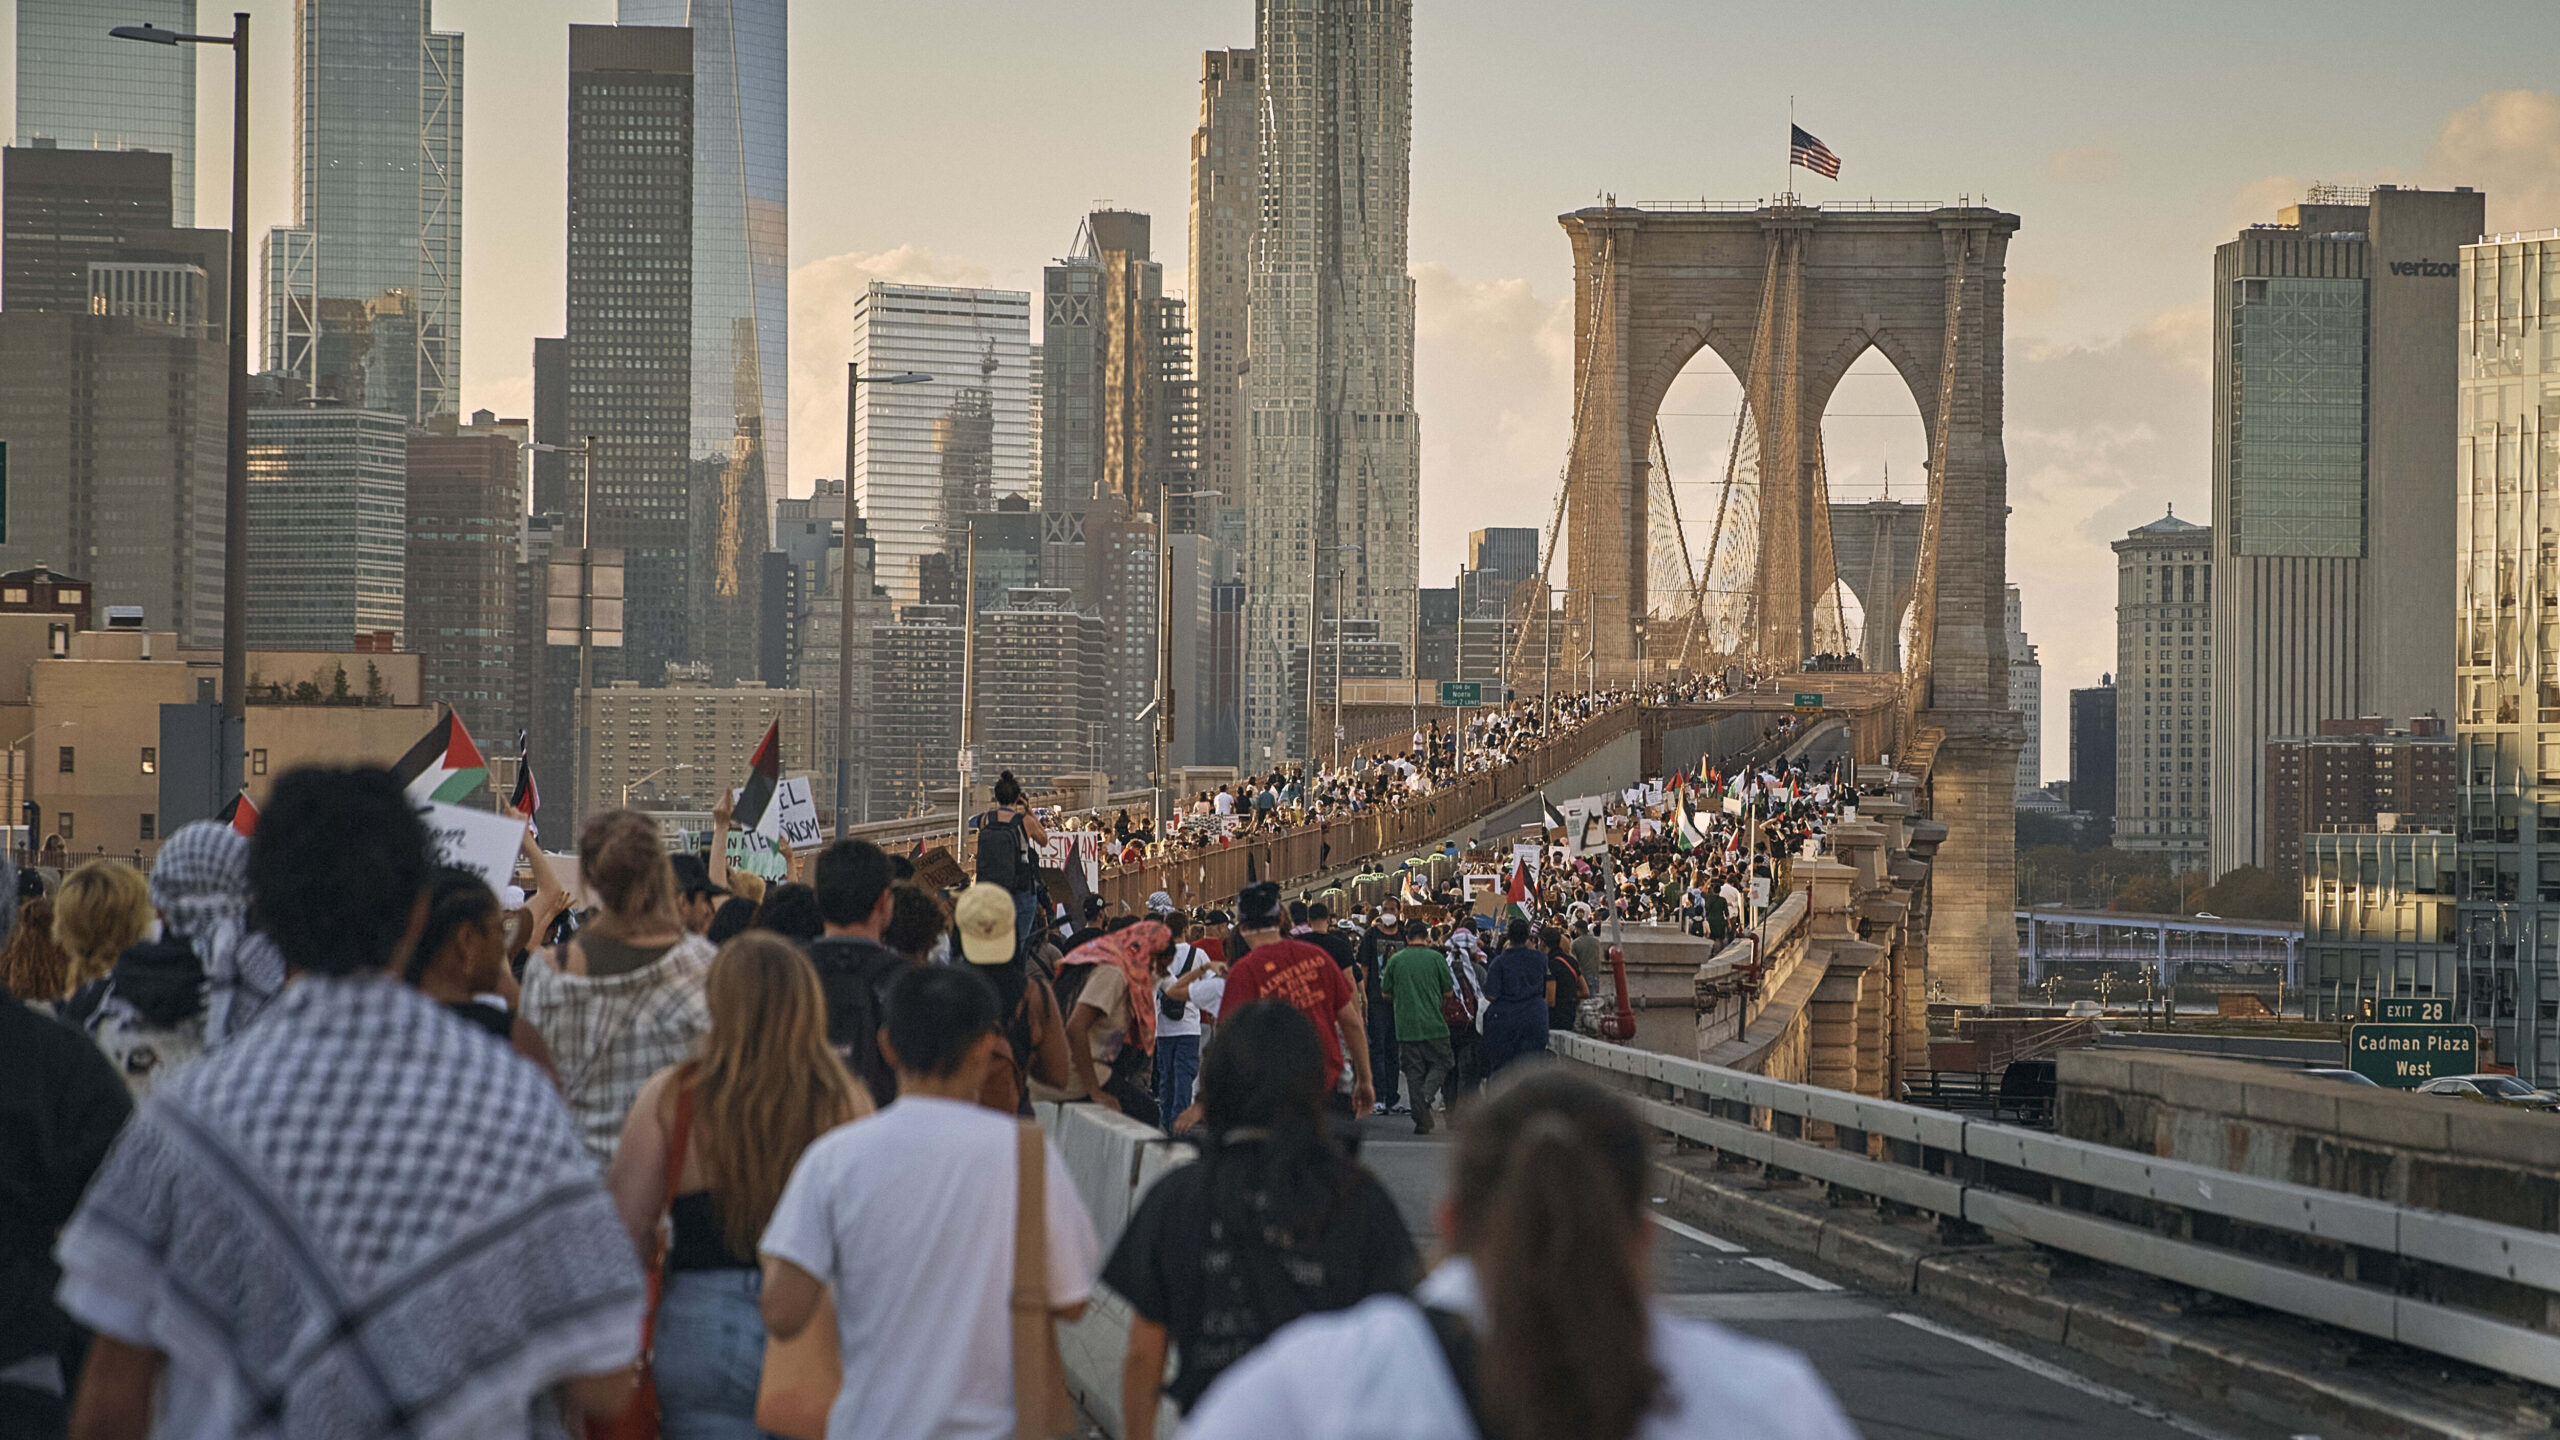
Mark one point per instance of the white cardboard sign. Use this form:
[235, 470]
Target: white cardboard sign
[474, 840]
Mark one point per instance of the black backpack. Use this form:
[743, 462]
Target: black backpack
[1004, 857]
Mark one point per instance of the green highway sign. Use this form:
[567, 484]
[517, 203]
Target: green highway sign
[2405, 1011]
[1808, 700]
[2407, 1056]
[1455, 694]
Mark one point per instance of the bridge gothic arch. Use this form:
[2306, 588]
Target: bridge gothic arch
[1789, 296]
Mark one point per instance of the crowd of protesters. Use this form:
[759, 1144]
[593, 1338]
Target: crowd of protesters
[306, 1136]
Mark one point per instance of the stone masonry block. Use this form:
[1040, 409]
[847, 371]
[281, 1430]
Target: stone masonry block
[2293, 1101]
[2388, 1117]
[2493, 1134]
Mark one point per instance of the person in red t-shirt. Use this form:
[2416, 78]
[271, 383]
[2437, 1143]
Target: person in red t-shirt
[1278, 968]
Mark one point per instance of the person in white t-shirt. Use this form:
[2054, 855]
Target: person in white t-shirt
[1543, 1304]
[908, 1219]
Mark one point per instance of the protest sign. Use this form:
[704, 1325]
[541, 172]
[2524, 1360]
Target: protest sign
[799, 806]
[474, 840]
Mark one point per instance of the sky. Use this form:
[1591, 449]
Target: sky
[958, 142]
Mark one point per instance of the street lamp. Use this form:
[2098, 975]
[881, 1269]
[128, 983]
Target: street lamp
[645, 779]
[235, 474]
[854, 380]
[586, 450]
[968, 757]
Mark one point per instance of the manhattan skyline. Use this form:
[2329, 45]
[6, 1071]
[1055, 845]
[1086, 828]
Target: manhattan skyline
[928, 147]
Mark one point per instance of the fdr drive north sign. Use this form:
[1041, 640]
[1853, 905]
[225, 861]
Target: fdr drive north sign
[2406, 1056]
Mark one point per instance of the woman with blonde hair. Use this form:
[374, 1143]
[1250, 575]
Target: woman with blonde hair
[102, 908]
[710, 1143]
[622, 1000]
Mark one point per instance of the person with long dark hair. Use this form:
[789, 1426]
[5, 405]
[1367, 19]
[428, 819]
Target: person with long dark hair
[1541, 1315]
[1272, 1223]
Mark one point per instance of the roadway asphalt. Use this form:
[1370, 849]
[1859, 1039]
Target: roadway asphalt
[1898, 1369]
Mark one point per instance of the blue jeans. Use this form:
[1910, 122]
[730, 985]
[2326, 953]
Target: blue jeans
[1177, 1065]
[1026, 913]
[710, 1354]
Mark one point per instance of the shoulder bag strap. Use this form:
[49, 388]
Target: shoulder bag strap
[1457, 1342]
[1041, 1410]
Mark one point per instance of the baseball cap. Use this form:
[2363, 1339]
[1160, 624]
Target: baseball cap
[984, 918]
[1258, 906]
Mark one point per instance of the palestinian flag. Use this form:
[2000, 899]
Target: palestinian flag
[1517, 892]
[241, 815]
[1548, 815]
[444, 766]
[1687, 833]
[756, 812]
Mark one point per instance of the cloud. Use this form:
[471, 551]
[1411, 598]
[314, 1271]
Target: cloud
[1493, 379]
[2507, 144]
[2035, 295]
[2100, 438]
[824, 294]
[2085, 165]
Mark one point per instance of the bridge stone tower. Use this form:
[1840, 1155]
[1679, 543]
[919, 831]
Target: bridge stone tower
[1877, 547]
[1789, 296]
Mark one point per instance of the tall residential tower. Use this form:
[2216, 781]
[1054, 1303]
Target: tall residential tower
[2333, 477]
[2165, 691]
[741, 306]
[1224, 218]
[1331, 439]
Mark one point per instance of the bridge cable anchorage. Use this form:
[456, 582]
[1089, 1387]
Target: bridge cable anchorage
[1924, 610]
[1600, 312]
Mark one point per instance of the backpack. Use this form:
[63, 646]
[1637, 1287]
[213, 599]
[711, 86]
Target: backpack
[853, 976]
[1004, 853]
[1185, 957]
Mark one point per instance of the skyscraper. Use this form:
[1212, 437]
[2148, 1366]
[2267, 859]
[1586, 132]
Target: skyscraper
[2093, 752]
[2333, 477]
[629, 363]
[328, 503]
[2165, 681]
[364, 290]
[2507, 676]
[1332, 440]
[81, 89]
[1224, 217]
[112, 379]
[741, 304]
[928, 455]
[465, 536]
[2026, 696]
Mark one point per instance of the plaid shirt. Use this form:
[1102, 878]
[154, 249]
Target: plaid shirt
[608, 1034]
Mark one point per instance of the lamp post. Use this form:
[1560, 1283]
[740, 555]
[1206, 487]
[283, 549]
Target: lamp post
[968, 757]
[235, 472]
[585, 450]
[854, 380]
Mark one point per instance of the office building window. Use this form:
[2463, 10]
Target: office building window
[257, 762]
[150, 760]
[62, 825]
[66, 759]
[150, 826]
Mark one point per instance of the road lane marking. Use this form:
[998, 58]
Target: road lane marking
[2067, 1379]
[1692, 1232]
[1733, 1307]
[1785, 1271]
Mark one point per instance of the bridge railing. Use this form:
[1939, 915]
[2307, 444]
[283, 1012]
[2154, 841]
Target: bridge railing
[2480, 1292]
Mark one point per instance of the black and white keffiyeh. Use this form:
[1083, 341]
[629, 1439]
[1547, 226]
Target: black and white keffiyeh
[200, 885]
[363, 1219]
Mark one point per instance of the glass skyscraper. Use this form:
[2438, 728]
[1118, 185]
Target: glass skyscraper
[364, 292]
[2507, 650]
[741, 304]
[79, 89]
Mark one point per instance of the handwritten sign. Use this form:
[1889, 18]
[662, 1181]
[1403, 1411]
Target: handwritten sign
[757, 854]
[799, 808]
[474, 840]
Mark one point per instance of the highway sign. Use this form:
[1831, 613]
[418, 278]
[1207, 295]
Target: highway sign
[2406, 1011]
[1456, 694]
[2406, 1056]
[1808, 700]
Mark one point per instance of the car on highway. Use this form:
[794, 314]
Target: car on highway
[2343, 1077]
[2496, 1089]
[2083, 1010]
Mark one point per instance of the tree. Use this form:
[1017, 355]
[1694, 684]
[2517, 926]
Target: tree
[2151, 893]
[2246, 892]
[375, 692]
[338, 694]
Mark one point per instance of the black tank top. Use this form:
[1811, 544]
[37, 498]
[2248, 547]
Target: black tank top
[700, 1243]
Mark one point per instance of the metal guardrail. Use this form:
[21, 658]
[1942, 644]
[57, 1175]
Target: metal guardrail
[1971, 1170]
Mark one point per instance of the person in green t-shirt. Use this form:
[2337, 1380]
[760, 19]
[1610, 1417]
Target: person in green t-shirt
[1416, 977]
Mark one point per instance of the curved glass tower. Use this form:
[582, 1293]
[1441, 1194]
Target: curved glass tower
[741, 299]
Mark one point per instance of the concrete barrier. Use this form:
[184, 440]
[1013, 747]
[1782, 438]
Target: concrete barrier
[1113, 1160]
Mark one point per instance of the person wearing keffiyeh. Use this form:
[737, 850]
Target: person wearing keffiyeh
[1111, 1028]
[200, 885]
[362, 1217]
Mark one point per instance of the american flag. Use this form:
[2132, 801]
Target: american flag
[1812, 154]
